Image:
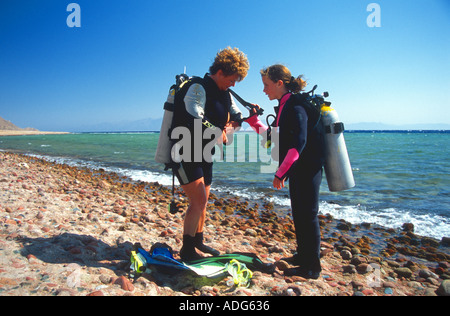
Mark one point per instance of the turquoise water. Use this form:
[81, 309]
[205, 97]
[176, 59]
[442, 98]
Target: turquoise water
[400, 176]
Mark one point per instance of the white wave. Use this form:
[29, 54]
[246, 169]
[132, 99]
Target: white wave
[434, 226]
[145, 176]
[240, 192]
[425, 225]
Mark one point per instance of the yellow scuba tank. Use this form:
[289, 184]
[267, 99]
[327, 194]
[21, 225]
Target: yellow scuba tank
[338, 170]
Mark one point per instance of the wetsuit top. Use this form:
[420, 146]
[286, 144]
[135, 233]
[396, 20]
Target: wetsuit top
[300, 140]
[201, 100]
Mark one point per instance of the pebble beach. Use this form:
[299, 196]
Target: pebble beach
[69, 231]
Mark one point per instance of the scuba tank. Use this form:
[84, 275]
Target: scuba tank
[338, 170]
[164, 143]
[164, 148]
[337, 163]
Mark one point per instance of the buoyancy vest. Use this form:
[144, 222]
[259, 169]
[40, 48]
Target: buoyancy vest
[216, 108]
[292, 133]
[214, 114]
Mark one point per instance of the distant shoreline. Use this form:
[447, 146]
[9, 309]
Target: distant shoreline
[30, 133]
[27, 133]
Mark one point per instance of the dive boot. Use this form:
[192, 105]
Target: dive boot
[304, 273]
[187, 252]
[202, 247]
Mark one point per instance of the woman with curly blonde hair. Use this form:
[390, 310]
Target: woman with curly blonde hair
[205, 103]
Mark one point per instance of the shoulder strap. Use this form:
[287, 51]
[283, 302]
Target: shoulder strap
[182, 86]
[312, 109]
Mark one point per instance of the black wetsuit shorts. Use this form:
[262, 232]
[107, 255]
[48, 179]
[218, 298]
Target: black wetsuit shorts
[188, 172]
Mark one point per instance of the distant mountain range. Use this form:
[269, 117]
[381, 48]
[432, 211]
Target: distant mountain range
[8, 126]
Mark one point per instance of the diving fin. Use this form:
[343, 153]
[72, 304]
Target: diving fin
[249, 259]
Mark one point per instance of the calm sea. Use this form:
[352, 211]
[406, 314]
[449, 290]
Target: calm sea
[400, 176]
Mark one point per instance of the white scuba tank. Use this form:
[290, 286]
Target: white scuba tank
[337, 163]
[164, 148]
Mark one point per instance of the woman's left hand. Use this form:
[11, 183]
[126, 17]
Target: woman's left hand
[229, 130]
[278, 184]
[232, 126]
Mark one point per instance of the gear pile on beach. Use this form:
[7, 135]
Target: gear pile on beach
[70, 231]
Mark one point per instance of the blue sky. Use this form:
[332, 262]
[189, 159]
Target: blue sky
[119, 64]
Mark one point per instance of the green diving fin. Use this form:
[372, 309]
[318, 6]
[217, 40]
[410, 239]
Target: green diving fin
[249, 259]
[236, 264]
[161, 255]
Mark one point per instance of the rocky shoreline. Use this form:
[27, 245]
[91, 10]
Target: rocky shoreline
[69, 231]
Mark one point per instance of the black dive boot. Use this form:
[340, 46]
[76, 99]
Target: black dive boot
[202, 247]
[187, 252]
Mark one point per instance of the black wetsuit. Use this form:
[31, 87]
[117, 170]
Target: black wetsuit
[204, 110]
[305, 176]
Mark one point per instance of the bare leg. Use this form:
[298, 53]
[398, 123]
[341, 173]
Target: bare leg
[197, 194]
[201, 223]
[198, 199]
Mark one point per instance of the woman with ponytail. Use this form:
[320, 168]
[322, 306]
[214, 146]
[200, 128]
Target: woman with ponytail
[301, 161]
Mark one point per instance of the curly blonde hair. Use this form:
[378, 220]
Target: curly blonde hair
[231, 61]
[281, 72]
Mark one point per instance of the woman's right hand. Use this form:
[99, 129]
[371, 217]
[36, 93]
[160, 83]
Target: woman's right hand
[254, 110]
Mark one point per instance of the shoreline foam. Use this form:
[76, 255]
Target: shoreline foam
[68, 231]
